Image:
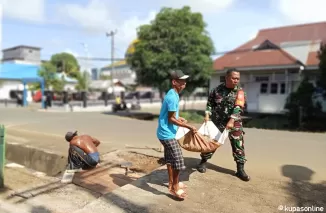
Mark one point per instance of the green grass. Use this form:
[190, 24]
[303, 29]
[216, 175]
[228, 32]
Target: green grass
[268, 122]
[192, 116]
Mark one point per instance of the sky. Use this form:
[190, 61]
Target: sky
[79, 26]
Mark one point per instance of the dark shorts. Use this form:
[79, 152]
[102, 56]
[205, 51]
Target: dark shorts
[173, 154]
[78, 159]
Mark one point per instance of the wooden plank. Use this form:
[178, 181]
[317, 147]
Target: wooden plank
[103, 182]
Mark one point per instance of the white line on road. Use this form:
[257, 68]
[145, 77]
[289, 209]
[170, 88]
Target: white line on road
[39, 133]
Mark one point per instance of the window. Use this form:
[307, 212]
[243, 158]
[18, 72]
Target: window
[222, 79]
[274, 88]
[263, 88]
[261, 78]
[282, 88]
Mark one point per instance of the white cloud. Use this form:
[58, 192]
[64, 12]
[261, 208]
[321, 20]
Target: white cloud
[128, 31]
[94, 16]
[303, 11]
[97, 16]
[203, 6]
[72, 52]
[26, 10]
[84, 63]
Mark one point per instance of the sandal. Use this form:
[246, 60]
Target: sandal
[181, 186]
[179, 194]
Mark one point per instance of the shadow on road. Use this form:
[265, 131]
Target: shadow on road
[160, 177]
[307, 194]
[40, 209]
[135, 115]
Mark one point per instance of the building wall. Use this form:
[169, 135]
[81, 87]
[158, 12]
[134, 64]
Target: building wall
[266, 91]
[70, 86]
[26, 54]
[24, 62]
[120, 72]
[7, 86]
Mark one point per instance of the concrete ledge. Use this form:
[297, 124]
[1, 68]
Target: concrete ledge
[154, 105]
[34, 158]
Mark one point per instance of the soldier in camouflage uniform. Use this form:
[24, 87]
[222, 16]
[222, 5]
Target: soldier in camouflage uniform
[225, 105]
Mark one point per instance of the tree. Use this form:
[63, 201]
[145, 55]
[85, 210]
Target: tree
[302, 111]
[49, 73]
[67, 63]
[83, 80]
[176, 39]
[322, 67]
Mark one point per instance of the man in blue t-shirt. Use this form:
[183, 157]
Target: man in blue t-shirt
[168, 123]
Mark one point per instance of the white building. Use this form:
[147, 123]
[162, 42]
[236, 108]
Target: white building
[273, 64]
[19, 64]
[121, 71]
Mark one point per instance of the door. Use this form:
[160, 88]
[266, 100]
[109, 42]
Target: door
[252, 91]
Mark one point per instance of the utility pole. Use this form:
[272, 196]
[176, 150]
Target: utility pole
[86, 65]
[112, 34]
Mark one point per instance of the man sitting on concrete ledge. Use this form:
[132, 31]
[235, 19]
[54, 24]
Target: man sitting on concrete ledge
[83, 153]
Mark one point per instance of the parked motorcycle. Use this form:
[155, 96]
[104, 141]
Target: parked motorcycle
[124, 107]
[120, 107]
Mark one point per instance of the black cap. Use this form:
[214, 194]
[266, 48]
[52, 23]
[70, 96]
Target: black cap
[70, 135]
[178, 74]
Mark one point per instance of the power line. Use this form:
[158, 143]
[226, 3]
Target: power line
[214, 54]
[112, 59]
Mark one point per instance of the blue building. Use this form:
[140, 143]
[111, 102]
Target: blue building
[95, 74]
[15, 77]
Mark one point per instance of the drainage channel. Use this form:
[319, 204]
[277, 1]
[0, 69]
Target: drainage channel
[117, 168]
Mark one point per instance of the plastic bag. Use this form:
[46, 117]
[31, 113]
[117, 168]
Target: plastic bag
[209, 129]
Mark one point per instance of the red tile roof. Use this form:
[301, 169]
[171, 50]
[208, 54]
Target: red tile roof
[255, 58]
[312, 58]
[246, 56]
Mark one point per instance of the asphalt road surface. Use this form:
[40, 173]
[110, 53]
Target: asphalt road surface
[267, 150]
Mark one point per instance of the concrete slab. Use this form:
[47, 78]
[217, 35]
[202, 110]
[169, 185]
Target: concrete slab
[30, 191]
[216, 191]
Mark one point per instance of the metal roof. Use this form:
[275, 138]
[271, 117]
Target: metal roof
[18, 71]
[15, 71]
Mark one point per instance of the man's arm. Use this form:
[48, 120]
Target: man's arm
[175, 121]
[238, 106]
[182, 119]
[96, 142]
[172, 115]
[209, 104]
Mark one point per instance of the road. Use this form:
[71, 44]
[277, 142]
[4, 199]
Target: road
[267, 150]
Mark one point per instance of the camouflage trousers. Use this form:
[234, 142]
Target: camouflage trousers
[236, 137]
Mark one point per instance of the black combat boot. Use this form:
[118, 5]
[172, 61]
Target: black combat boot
[241, 173]
[202, 166]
